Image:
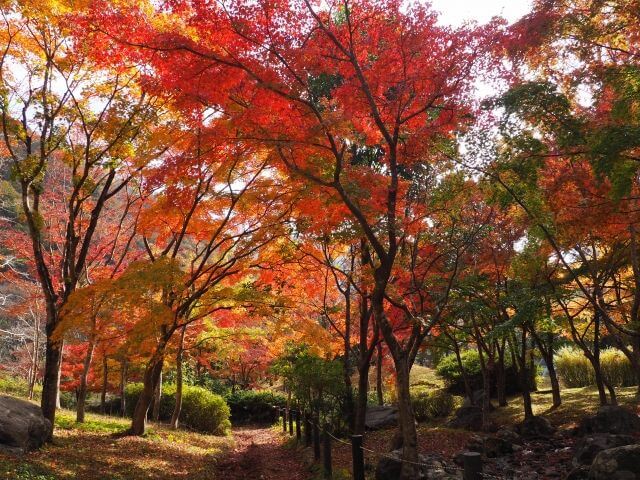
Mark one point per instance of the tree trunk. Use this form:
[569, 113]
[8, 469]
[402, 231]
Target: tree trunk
[157, 396]
[105, 383]
[465, 377]
[553, 377]
[406, 419]
[35, 357]
[362, 400]
[486, 368]
[501, 379]
[82, 390]
[51, 377]
[151, 377]
[123, 387]
[178, 403]
[379, 390]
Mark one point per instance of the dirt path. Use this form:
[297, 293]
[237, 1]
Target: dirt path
[260, 455]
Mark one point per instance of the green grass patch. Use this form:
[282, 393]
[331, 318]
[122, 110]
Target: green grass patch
[66, 420]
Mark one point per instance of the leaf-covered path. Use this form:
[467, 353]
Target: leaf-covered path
[259, 454]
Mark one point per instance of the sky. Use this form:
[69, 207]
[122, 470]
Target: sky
[455, 12]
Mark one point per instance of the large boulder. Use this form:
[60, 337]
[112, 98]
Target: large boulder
[610, 419]
[430, 468]
[588, 447]
[378, 417]
[22, 426]
[621, 463]
[468, 418]
[535, 427]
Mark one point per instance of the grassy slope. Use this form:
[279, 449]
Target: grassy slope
[96, 450]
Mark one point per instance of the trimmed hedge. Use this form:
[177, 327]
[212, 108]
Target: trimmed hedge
[201, 410]
[251, 406]
[428, 404]
[575, 370]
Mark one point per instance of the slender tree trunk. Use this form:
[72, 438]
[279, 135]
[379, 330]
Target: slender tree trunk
[105, 383]
[36, 357]
[553, 378]
[486, 367]
[151, 376]
[501, 385]
[157, 397]
[123, 387]
[178, 403]
[379, 390]
[465, 377]
[82, 389]
[363, 397]
[348, 403]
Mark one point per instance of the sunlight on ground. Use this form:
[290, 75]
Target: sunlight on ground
[97, 449]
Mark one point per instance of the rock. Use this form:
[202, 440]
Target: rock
[475, 444]
[491, 446]
[378, 417]
[478, 398]
[432, 468]
[22, 426]
[610, 419]
[468, 418]
[588, 447]
[494, 446]
[578, 473]
[509, 435]
[620, 463]
[536, 427]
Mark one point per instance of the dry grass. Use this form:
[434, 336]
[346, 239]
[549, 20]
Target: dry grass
[576, 403]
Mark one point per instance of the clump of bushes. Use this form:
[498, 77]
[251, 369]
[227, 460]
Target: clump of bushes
[449, 370]
[429, 404]
[251, 406]
[575, 370]
[201, 410]
[18, 387]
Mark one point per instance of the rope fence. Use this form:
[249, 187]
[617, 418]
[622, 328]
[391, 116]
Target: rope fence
[321, 439]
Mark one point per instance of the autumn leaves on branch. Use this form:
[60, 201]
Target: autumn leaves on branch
[268, 164]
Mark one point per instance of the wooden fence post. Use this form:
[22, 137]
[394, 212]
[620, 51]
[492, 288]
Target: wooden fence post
[357, 455]
[326, 457]
[472, 466]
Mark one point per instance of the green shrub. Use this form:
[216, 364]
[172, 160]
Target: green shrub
[448, 367]
[18, 387]
[254, 406]
[432, 404]
[449, 370]
[202, 410]
[575, 370]
[205, 411]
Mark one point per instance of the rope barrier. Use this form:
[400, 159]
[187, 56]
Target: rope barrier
[395, 458]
